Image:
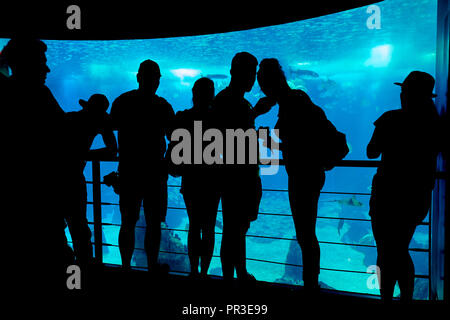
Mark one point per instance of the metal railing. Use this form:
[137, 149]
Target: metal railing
[98, 223]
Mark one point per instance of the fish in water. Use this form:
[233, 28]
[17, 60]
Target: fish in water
[302, 73]
[216, 76]
[351, 202]
[368, 239]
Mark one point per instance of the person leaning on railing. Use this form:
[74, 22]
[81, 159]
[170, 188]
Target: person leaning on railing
[310, 145]
[406, 139]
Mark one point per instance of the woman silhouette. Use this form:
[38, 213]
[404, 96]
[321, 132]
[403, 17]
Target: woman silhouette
[406, 139]
[197, 184]
[303, 129]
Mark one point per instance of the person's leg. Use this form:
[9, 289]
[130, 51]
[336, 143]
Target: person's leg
[234, 204]
[241, 249]
[78, 225]
[405, 270]
[87, 253]
[208, 225]
[155, 209]
[246, 201]
[387, 274]
[303, 200]
[406, 277]
[385, 256]
[130, 205]
[226, 249]
[194, 239]
[239, 198]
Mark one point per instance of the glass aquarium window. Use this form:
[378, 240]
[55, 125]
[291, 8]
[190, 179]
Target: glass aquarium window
[345, 67]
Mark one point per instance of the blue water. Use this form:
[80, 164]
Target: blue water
[353, 70]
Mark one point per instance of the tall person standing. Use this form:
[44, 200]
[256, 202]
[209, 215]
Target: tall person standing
[143, 121]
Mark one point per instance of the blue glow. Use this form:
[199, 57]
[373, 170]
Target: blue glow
[346, 68]
[380, 56]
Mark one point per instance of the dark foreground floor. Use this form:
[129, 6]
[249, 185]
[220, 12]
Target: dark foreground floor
[170, 296]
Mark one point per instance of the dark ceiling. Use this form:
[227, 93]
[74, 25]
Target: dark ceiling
[128, 19]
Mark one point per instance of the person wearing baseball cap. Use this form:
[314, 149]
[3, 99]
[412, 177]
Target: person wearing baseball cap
[97, 102]
[418, 83]
[407, 141]
[84, 126]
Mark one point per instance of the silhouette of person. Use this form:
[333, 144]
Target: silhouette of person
[84, 126]
[239, 184]
[198, 183]
[406, 139]
[34, 162]
[303, 128]
[143, 120]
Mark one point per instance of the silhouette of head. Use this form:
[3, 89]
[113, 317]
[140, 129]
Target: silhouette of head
[243, 70]
[417, 88]
[271, 77]
[148, 76]
[26, 59]
[97, 104]
[203, 92]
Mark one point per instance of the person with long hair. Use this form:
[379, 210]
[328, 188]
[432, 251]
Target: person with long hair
[303, 131]
[198, 183]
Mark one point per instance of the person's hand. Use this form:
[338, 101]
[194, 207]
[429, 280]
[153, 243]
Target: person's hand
[264, 105]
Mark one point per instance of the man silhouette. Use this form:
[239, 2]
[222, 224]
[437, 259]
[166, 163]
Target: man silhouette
[34, 161]
[143, 120]
[239, 184]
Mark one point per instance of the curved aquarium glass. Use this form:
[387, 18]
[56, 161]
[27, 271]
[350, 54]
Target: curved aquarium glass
[345, 67]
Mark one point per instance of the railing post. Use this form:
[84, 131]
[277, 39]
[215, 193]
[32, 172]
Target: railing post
[97, 204]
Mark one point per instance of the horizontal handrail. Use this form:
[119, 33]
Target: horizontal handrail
[267, 214]
[275, 190]
[272, 237]
[98, 223]
[341, 163]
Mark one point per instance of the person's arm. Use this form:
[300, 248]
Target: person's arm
[175, 170]
[262, 106]
[115, 113]
[270, 142]
[374, 147]
[109, 139]
[110, 149]
[170, 121]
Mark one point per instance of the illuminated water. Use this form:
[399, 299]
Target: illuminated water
[353, 71]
